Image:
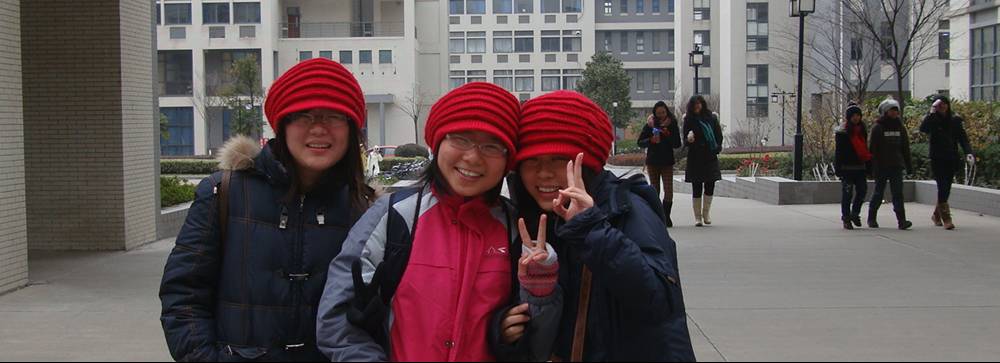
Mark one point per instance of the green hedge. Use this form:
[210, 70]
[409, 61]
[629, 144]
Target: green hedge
[728, 162]
[188, 167]
[412, 151]
[987, 167]
[628, 147]
[174, 191]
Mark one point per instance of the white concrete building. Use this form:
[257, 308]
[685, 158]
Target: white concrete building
[975, 50]
[375, 39]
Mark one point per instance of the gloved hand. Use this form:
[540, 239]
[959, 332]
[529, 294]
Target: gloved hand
[538, 269]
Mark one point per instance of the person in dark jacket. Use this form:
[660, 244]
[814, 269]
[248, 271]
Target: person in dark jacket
[660, 137]
[946, 133]
[851, 163]
[890, 147]
[703, 138]
[248, 290]
[609, 236]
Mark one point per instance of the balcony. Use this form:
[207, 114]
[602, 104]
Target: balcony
[341, 30]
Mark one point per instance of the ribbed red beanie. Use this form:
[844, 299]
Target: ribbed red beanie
[565, 123]
[315, 83]
[476, 106]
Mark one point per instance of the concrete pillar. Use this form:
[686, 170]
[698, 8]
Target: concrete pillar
[90, 125]
[13, 234]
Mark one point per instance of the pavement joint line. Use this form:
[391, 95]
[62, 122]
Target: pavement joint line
[921, 250]
[702, 332]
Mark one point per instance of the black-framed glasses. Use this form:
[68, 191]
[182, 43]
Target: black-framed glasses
[465, 144]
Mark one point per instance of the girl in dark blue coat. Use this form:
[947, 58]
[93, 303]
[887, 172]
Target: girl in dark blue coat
[249, 266]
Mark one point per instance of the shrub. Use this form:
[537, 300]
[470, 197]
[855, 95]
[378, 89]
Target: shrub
[412, 151]
[174, 191]
[188, 167]
[402, 168]
[628, 147]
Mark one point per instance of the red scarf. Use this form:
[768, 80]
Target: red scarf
[859, 142]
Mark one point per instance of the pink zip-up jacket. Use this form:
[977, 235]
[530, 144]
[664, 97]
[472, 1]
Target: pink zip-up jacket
[459, 277]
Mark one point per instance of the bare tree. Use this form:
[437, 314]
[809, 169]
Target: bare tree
[905, 31]
[412, 106]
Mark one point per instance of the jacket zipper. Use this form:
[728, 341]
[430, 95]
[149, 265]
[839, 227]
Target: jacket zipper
[296, 279]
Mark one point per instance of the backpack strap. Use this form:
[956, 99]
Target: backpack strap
[399, 244]
[222, 192]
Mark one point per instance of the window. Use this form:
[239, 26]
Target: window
[551, 80]
[985, 64]
[159, 18]
[525, 6]
[305, 55]
[550, 6]
[216, 32]
[215, 13]
[572, 41]
[857, 47]
[456, 42]
[624, 42]
[475, 7]
[503, 42]
[346, 57]
[670, 79]
[944, 45]
[570, 78]
[670, 40]
[180, 126]
[607, 41]
[624, 7]
[217, 65]
[704, 86]
[550, 41]
[886, 38]
[504, 79]
[177, 14]
[503, 6]
[757, 23]
[328, 54]
[385, 57]
[456, 7]
[704, 39]
[656, 81]
[524, 81]
[247, 13]
[456, 79]
[572, 6]
[476, 42]
[670, 6]
[657, 42]
[702, 9]
[640, 42]
[476, 76]
[655, 4]
[639, 79]
[640, 6]
[365, 57]
[757, 91]
[607, 7]
[524, 42]
[175, 71]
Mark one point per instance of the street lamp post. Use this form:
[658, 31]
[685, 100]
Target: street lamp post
[774, 99]
[800, 9]
[697, 60]
[614, 139]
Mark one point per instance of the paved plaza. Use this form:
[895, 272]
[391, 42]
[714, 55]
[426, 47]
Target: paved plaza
[764, 283]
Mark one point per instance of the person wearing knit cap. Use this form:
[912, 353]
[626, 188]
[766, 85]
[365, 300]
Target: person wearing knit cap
[851, 163]
[889, 144]
[249, 261]
[660, 137]
[430, 271]
[615, 253]
[947, 133]
[703, 138]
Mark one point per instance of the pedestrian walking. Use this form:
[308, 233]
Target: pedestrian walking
[947, 133]
[660, 136]
[704, 142]
[890, 147]
[852, 164]
[249, 265]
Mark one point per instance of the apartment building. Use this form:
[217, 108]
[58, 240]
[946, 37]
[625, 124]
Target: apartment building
[641, 33]
[975, 50]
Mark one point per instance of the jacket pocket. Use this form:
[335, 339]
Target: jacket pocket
[675, 299]
[232, 353]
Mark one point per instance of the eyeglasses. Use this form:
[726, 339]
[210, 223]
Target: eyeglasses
[325, 120]
[488, 150]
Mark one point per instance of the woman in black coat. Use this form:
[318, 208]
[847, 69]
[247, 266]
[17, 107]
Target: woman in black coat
[946, 133]
[852, 164]
[703, 138]
[660, 137]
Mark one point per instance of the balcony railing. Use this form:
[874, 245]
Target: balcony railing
[340, 30]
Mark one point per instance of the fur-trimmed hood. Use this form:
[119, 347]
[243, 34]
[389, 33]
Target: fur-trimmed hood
[238, 153]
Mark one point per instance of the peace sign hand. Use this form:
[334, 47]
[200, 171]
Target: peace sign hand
[536, 270]
[576, 194]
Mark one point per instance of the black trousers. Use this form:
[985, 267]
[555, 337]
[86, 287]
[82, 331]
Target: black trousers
[708, 188]
[854, 189]
[894, 178]
[944, 175]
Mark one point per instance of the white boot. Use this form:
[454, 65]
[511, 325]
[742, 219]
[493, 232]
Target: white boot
[697, 212]
[707, 209]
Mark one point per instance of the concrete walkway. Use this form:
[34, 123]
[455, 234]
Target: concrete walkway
[763, 283]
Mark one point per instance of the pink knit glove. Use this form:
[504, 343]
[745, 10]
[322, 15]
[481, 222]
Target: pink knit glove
[538, 267]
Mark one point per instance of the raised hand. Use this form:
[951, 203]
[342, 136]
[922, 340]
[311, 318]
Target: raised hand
[534, 271]
[575, 195]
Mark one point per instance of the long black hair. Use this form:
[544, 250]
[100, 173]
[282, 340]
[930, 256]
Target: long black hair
[704, 106]
[349, 170]
[670, 114]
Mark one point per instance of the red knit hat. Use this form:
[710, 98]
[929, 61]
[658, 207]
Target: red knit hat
[565, 123]
[315, 83]
[476, 106]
